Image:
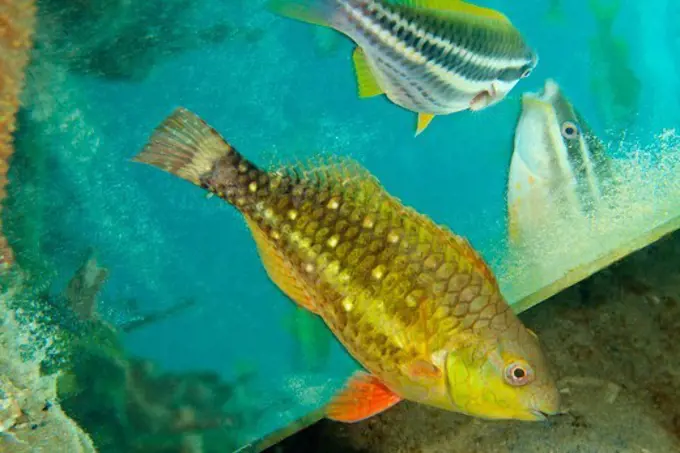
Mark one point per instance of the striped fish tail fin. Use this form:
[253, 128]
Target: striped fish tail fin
[318, 12]
[186, 146]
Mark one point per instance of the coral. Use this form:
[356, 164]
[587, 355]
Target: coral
[17, 20]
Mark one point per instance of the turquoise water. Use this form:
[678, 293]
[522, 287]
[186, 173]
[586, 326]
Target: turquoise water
[278, 98]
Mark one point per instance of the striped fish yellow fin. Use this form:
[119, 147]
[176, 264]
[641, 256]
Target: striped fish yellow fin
[454, 6]
[424, 120]
[366, 81]
[363, 396]
[280, 271]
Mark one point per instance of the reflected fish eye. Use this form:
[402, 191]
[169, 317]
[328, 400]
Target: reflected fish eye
[569, 130]
[518, 374]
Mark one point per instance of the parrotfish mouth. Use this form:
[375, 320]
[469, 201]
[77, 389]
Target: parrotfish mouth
[546, 96]
[540, 415]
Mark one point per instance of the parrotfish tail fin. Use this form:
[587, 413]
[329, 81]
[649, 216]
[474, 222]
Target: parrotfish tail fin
[186, 146]
[317, 12]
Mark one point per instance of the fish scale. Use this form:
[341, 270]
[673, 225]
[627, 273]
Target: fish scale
[412, 302]
[365, 233]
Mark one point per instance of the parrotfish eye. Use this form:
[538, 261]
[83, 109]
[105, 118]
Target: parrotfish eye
[569, 130]
[518, 374]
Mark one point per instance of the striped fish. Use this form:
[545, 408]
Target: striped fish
[433, 57]
[559, 168]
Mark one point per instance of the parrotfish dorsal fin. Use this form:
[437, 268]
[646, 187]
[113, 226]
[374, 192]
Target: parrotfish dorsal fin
[458, 6]
[363, 396]
[334, 171]
[366, 81]
[424, 120]
[350, 177]
[280, 271]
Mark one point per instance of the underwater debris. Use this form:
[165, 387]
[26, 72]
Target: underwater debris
[126, 403]
[17, 19]
[123, 40]
[84, 287]
[31, 418]
[156, 316]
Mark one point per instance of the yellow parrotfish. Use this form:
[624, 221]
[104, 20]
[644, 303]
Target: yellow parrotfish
[412, 302]
[432, 57]
[560, 170]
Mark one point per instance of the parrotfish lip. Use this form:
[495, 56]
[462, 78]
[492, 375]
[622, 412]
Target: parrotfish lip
[547, 96]
[532, 100]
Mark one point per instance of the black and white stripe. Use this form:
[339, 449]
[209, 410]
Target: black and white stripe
[426, 62]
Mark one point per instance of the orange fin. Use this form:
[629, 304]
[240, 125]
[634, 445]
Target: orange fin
[421, 368]
[424, 120]
[280, 270]
[363, 396]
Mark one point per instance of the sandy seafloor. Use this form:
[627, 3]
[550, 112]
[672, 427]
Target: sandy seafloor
[614, 340]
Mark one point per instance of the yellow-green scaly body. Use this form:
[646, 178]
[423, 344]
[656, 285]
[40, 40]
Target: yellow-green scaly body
[410, 301]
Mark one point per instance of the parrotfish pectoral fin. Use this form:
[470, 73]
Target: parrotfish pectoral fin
[317, 12]
[364, 396]
[280, 271]
[422, 369]
[424, 120]
[454, 6]
[368, 85]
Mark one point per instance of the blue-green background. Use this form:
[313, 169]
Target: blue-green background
[284, 98]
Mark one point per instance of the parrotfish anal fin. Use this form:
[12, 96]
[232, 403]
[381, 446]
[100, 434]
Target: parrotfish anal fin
[458, 6]
[363, 396]
[280, 271]
[424, 120]
[367, 84]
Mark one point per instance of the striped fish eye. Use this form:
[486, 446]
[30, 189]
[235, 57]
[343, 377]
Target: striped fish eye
[519, 373]
[569, 130]
[527, 72]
